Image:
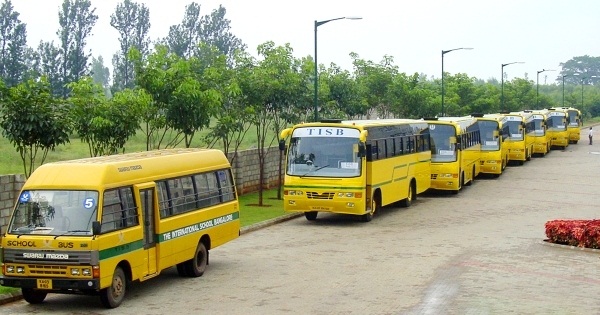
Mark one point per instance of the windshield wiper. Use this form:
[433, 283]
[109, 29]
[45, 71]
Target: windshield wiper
[72, 231]
[311, 171]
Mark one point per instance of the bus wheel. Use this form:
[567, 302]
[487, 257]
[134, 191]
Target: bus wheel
[112, 296]
[33, 296]
[375, 206]
[196, 266]
[311, 215]
[406, 202]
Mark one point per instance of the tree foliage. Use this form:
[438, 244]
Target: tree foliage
[105, 125]
[76, 19]
[183, 94]
[34, 121]
[101, 74]
[132, 21]
[13, 45]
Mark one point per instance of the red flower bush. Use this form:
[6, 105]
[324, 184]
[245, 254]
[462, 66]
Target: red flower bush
[581, 233]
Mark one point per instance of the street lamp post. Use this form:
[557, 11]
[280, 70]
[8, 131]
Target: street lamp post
[563, 86]
[502, 85]
[537, 89]
[443, 53]
[316, 79]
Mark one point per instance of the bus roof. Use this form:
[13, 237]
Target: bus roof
[463, 122]
[123, 169]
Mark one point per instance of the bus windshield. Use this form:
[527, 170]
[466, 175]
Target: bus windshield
[538, 127]
[515, 130]
[324, 156]
[441, 148]
[557, 123]
[572, 117]
[55, 212]
[489, 142]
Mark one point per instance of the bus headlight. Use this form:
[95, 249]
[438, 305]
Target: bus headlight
[87, 272]
[293, 193]
[20, 269]
[75, 272]
[347, 194]
[350, 204]
[10, 269]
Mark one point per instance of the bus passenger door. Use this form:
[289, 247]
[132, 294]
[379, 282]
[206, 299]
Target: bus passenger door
[147, 205]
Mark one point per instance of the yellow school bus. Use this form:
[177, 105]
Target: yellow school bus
[494, 152]
[354, 167]
[541, 144]
[521, 136]
[455, 152]
[557, 128]
[94, 225]
[574, 123]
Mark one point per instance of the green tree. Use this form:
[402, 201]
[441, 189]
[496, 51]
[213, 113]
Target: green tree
[215, 31]
[101, 74]
[183, 38]
[269, 88]
[76, 19]
[375, 81]
[13, 45]
[577, 68]
[132, 21]
[231, 124]
[34, 121]
[182, 90]
[105, 125]
[48, 65]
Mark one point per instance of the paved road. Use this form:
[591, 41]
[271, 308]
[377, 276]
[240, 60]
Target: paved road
[478, 252]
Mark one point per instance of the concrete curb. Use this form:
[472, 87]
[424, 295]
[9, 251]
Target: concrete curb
[570, 247]
[260, 225]
[10, 297]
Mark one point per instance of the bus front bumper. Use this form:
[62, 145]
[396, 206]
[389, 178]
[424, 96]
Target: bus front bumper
[57, 284]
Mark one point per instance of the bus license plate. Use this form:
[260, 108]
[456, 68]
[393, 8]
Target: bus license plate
[320, 208]
[44, 284]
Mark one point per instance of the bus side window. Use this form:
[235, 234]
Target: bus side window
[163, 200]
[226, 185]
[202, 190]
[118, 209]
[213, 189]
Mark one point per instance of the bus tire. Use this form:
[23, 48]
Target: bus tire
[469, 183]
[311, 215]
[112, 296]
[33, 296]
[406, 202]
[196, 266]
[375, 207]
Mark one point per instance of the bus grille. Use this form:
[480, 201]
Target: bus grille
[434, 176]
[315, 195]
[44, 270]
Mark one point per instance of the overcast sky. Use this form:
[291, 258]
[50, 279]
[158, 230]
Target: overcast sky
[540, 33]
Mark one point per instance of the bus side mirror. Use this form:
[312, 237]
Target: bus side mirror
[361, 150]
[281, 145]
[96, 227]
[496, 134]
